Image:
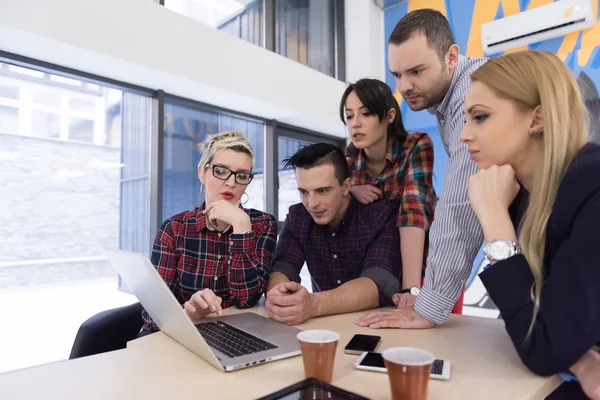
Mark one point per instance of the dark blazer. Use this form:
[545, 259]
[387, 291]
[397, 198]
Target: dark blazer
[568, 322]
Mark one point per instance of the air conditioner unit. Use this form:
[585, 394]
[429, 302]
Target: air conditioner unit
[538, 24]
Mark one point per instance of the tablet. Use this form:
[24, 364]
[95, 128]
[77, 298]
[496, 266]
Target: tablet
[313, 389]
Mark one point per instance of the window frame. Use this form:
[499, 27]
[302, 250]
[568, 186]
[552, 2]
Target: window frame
[273, 129]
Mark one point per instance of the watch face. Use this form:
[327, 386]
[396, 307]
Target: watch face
[414, 291]
[499, 250]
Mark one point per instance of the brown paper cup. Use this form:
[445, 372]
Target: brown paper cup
[318, 353]
[408, 370]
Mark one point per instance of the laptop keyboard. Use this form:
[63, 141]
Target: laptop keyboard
[232, 341]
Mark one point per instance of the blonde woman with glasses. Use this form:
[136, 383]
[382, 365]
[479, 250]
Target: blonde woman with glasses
[537, 198]
[219, 254]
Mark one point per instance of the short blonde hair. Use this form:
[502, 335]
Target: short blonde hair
[213, 144]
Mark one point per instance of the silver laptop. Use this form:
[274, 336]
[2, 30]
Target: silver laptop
[228, 343]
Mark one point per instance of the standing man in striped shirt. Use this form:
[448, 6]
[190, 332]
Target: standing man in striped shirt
[431, 74]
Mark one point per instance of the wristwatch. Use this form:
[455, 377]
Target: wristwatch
[413, 290]
[498, 250]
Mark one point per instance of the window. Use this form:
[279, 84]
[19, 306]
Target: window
[9, 120]
[288, 192]
[81, 130]
[81, 105]
[9, 91]
[305, 32]
[45, 125]
[241, 18]
[68, 199]
[185, 128]
[48, 98]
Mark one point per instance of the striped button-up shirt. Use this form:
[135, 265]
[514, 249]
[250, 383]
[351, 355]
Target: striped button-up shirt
[455, 235]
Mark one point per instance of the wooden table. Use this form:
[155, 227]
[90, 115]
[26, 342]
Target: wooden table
[484, 366]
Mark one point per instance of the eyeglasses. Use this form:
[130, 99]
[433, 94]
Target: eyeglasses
[222, 173]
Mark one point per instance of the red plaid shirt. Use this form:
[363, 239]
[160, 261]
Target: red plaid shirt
[408, 174]
[191, 257]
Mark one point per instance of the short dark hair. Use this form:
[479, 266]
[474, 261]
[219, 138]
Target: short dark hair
[378, 98]
[429, 22]
[318, 154]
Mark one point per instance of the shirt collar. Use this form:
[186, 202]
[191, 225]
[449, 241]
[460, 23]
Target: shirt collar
[390, 155]
[442, 107]
[350, 212]
[202, 222]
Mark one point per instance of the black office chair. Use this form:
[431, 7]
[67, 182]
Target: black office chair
[107, 331]
[568, 391]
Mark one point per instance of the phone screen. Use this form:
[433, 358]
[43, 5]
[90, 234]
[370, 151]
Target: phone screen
[363, 343]
[373, 360]
[376, 360]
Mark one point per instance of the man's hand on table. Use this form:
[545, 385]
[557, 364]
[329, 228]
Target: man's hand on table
[290, 303]
[405, 318]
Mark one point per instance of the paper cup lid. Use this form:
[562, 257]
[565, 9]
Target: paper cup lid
[318, 336]
[408, 356]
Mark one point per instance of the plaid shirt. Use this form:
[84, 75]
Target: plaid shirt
[190, 256]
[364, 244]
[408, 175]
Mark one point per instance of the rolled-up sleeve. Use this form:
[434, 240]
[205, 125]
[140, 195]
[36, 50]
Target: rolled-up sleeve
[382, 263]
[251, 255]
[418, 195]
[289, 256]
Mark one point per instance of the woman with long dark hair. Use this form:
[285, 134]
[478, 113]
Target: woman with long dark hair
[387, 162]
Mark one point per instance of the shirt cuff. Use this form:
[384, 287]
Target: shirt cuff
[287, 270]
[242, 242]
[387, 284]
[433, 306]
[417, 220]
[508, 283]
[567, 376]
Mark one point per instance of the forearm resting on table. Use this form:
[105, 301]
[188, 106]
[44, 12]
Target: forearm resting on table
[355, 295]
[412, 245]
[275, 279]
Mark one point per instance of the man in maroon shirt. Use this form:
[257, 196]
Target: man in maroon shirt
[350, 248]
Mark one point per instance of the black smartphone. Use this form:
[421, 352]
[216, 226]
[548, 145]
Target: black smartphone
[374, 362]
[361, 343]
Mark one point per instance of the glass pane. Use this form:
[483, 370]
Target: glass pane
[9, 91]
[45, 125]
[288, 192]
[81, 130]
[46, 98]
[68, 201]
[305, 33]
[81, 105]
[9, 120]
[185, 129]
[241, 18]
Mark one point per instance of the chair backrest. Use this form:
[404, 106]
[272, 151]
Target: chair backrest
[108, 331]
